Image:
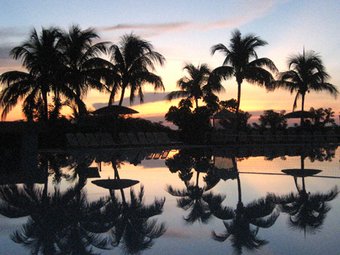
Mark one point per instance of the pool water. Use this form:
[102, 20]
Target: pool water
[173, 201]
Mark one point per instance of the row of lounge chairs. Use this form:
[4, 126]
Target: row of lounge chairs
[126, 139]
[273, 138]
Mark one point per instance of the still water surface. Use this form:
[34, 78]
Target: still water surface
[186, 201]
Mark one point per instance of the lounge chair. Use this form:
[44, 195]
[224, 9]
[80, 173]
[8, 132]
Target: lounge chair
[142, 139]
[331, 137]
[229, 138]
[72, 140]
[291, 136]
[107, 140]
[318, 137]
[151, 138]
[269, 137]
[82, 140]
[123, 139]
[91, 140]
[216, 138]
[279, 137]
[165, 154]
[157, 155]
[256, 137]
[243, 137]
[133, 139]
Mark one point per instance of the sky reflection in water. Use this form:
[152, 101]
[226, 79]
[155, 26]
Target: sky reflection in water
[200, 201]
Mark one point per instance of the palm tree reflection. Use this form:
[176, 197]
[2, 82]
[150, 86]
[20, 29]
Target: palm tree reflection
[194, 198]
[243, 224]
[306, 211]
[60, 222]
[132, 227]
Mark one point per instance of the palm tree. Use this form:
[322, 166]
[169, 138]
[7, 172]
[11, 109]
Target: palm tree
[41, 57]
[133, 61]
[200, 83]
[306, 73]
[83, 66]
[306, 211]
[197, 200]
[243, 223]
[133, 227]
[238, 61]
[59, 222]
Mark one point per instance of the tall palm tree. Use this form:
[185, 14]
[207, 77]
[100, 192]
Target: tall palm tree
[83, 66]
[133, 61]
[242, 62]
[306, 73]
[41, 56]
[200, 83]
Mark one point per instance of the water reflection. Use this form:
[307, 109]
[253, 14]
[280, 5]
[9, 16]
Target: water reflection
[197, 200]
[307, 211]
[60, 217]
[62, 222]
[242, 224]
[132, 227]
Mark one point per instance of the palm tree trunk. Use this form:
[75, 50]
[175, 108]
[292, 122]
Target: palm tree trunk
[81, 106]
[116, 176]
[302, 108]
[45, 111]
[111, 99]
[239, 188]
[196, 102]
[197, 178]
[238, 181]
[45, 168]
[238, 96]
[122, 95]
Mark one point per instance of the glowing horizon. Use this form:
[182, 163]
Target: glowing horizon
[186, 37]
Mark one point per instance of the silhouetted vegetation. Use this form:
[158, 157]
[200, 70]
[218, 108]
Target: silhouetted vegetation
[238, 62]
[192, 124]
[61, 67]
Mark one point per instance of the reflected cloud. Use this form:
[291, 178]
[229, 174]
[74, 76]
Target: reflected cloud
[177, 233]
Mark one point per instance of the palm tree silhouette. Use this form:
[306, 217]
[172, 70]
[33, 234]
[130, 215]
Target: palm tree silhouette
[133, 61]
[243, 224]
[200, 203]
[83, 66]
[238, 62]
[53, 219]
[86, 226]
[306, 73]
[41, 56]
[58, 222]
[306, 211]
[201, 83]
[132, 227]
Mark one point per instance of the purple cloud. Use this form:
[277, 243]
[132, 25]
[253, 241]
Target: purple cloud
[151, 29]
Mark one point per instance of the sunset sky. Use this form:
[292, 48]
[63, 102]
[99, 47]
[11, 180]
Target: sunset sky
[184, 31]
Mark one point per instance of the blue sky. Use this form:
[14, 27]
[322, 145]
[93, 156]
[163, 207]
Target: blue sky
[184, 31]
